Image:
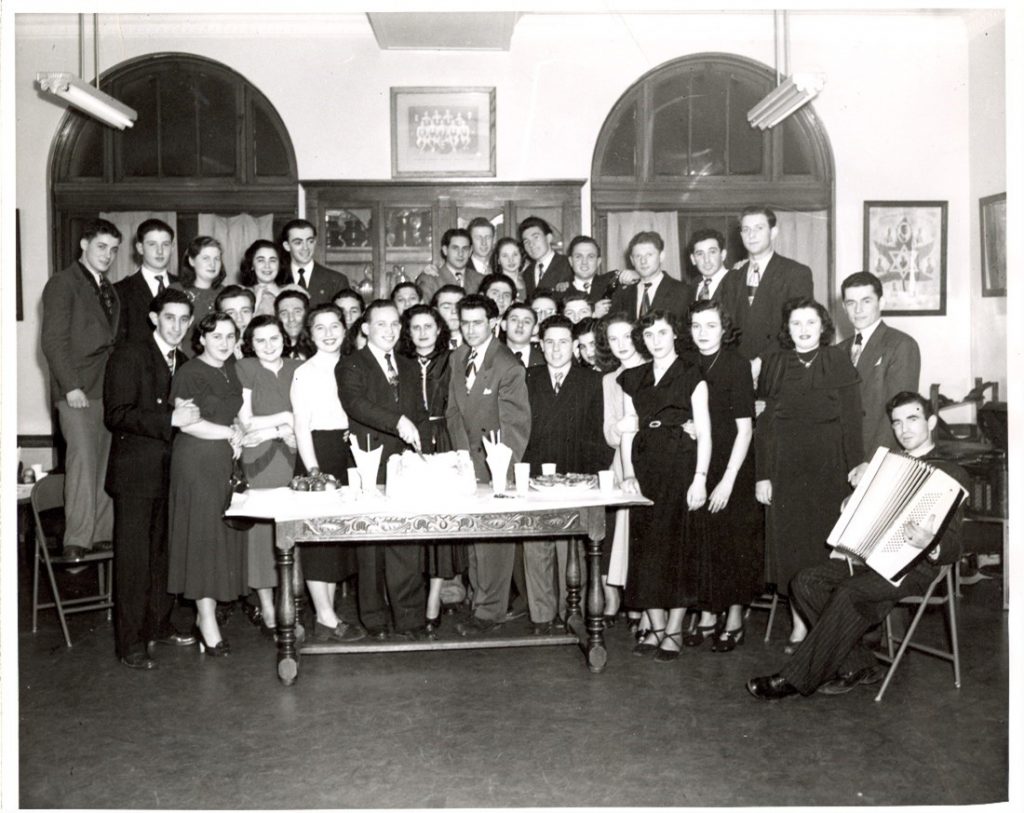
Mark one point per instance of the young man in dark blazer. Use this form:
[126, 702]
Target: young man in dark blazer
[154, 243]
[760, 285]
[567, 429]
[545, 268]
[380, 393]
[487, 393]
[80, 319]
[321, 283]
[585, 260]
[843, 600]
[656, 290]
[456, 249]
[517, 325]
[887, 359]
[141, 418]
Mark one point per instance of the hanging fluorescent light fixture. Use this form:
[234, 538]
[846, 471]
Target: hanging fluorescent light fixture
[785, 100]
[86, 98]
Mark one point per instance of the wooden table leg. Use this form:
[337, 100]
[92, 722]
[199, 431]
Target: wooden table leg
[573, 585]
[287, 655]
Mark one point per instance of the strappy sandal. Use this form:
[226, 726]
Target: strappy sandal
[644, 648]
[666, 655]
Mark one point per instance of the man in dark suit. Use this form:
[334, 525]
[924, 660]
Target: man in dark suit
[80, 318]
[481, 233]
[887, 359]
[499, 288]
[759, 286]
[518, 324]
[567, 420]
[487, 393]
[379, 391]
[842, 600]
[545, 268]
[707, 253]
[456, 247]
[585, 260]
[154, 243]
[656, 290]
[141, 418]
[321, 283]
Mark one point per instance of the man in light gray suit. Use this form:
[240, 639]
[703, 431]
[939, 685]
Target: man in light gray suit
[487, 393]
[887, 359]
[456, 248]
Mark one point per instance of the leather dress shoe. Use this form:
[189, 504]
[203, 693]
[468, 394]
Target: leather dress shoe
[475, 626]
[415, 634]
[433, 624]
[841, 684]
[513, 614]
[74, 553]
[176, 639]
[102, 546]
[770, 687]
[138, 660]
[377, 633]
[346, 633]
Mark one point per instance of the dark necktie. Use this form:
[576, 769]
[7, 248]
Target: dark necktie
[753, 280]
[107, 297]
[160, 287]
[858, 347]
[170, 360]
[519, 355]
[458, 279]
[392, 375]
[424, 363]
[302, 278]
[559, 377]
[453, 343]
[470, 370]
[540, 272]
[586, 287]
[645, 303]
[705, 290]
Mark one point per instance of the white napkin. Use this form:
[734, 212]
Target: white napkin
[368, 464]
[498, 457]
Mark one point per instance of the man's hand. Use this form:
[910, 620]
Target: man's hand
[628, 277]
[184, 413]
[759, 406]
[856, 473]
[690, 428]
[288, 435]
[77, 399]
[763, 492]
[630, 486]
[430, 270]
[920, 536]
[602, 307]
[408, 432]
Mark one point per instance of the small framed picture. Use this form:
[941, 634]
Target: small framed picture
[442, 132]
[993, 245]
[905, 247]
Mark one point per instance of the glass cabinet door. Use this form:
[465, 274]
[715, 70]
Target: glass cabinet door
[348, 244]
[408, 243]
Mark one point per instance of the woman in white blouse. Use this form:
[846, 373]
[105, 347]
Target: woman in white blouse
[321, 435]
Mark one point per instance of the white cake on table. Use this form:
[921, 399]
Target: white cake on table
[431, 476]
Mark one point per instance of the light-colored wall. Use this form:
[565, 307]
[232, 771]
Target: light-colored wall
[895, 106]
[987, 133]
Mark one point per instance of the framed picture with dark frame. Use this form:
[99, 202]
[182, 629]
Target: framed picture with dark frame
[993, 245]
[442, 132]
[905, 247]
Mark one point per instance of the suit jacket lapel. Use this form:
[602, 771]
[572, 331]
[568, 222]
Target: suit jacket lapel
[873, 349]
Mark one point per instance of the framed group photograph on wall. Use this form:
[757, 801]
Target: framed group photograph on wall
[905, 247]
[442, 132]
[993, 245]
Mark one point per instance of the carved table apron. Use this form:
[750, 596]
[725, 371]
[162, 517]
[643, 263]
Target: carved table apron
[480, 518]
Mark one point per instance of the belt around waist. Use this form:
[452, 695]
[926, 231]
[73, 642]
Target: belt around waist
[661, 425]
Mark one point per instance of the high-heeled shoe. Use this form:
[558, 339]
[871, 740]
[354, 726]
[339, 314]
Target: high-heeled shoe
[665, 655]
[433, 624]
[728, 640]
[267, 631]
[222, 648]
[702, 633]
[792, 646]
[644, 648]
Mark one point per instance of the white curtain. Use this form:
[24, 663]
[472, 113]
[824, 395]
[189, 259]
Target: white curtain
[236, 234]
[804, 237]
[622, 226]
[127, 222]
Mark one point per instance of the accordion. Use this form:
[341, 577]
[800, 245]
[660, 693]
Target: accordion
[895, 489]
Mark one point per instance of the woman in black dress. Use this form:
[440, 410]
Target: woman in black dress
[731, 551]
[664, 394]
[808, 443]
[424, 337]
[207, 558]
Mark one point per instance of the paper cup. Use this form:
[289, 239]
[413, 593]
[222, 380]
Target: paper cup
[606, 480]
[522, 472]
[547, 468]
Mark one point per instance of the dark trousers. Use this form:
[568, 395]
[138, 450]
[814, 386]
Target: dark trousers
[391, 574]
[142, 605]
[839, 608]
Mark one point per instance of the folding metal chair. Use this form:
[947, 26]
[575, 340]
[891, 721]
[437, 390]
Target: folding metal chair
[770, 602]
[929, 599]
[47, 495]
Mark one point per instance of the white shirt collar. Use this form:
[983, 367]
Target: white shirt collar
[762, 264]
[150, 276]
[481, 351]
[716, 278]
[866, 332]
[546, 259]
[563, 371]
[165, 348]
[96, 276]
[481, 266]
[525, 351]
[308, 268]
[655, 281]
[579, 284]
[379, 354]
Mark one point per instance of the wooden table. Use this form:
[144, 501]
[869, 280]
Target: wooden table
[339, 517]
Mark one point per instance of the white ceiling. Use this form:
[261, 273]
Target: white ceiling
[443, 31]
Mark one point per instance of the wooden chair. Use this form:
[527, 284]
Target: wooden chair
[48, 495]
[929, 599]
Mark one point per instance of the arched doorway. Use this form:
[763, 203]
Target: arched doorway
[677, 143]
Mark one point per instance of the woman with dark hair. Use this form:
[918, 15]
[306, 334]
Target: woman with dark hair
[352, 306]
[268, 448]
[405, 295]
[201, 276]
[664, 394]
[263, 272]
[206, 557]
[291, 306]
[731, 551]
[808, 443]
[321, 436]
[507, 259]
[424, 337]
